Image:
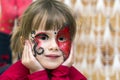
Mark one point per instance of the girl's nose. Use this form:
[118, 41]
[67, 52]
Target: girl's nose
[53, 45]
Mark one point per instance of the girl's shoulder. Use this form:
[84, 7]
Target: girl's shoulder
[75, 74]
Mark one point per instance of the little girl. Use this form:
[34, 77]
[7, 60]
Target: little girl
[43, 41]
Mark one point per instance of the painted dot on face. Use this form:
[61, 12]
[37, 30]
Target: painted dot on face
[55, 32]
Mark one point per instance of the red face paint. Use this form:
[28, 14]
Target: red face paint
[37, 37]
[40, 36]
[64, 45]
[37, 47]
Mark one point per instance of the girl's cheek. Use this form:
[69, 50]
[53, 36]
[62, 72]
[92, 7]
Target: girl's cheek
[65, 47]
[38, 50]
[38, 42]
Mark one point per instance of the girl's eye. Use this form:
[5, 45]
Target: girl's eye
[61, 39]
[42, 36]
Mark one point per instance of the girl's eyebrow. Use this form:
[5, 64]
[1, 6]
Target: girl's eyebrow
[40, 33]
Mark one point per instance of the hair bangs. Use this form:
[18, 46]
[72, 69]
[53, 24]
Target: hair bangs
[39, 21]
[55, 20]
[49, 20]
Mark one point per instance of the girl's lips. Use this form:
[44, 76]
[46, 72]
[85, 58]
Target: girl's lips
[53, 56]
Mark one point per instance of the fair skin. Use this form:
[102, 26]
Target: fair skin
[50, 59]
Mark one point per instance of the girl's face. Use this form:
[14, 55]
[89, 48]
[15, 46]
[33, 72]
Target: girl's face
[56, 47]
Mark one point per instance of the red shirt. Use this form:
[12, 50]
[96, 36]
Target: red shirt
[19, 72]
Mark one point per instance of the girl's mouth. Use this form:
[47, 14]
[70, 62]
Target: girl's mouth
[52, 56]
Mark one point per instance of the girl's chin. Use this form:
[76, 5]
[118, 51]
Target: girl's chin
[51, 66]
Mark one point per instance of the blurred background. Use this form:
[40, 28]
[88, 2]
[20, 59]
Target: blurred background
[10, 13]
[97, 43]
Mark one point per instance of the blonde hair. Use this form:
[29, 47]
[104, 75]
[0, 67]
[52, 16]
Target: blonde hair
[48, 14]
